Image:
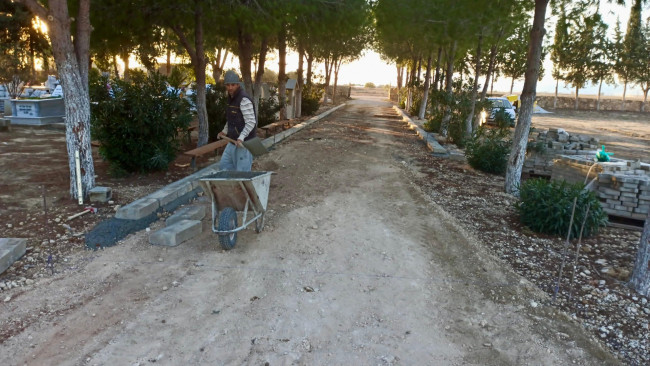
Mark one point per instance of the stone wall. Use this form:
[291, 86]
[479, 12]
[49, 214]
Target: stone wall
[622, 186]
[546, 102]
[547, 145]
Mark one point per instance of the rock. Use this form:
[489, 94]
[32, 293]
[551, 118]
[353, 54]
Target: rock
[8, 298]
[533, 304]
[29, 282]
[487, 344]
[165, 288]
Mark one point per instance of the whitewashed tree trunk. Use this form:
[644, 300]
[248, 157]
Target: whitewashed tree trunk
[444, 128]
[640, 280]
[576, 102]
[522, 129]
[557, 82]
[624, 91]
[425, 96]
[469, 125]
[600, 85]
[72, 65]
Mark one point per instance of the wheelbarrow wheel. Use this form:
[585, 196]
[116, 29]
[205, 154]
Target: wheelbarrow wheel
[228, 221]
[259, 224]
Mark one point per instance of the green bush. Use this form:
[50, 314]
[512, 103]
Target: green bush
[545, 207]
[268, 108]
[502, 119]
[369, 85]
[137, 122]
[216, 102]
[311, 97]
[488, 150]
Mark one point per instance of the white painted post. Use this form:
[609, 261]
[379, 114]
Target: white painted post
[80, 194]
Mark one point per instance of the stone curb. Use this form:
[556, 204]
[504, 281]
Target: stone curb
[270, 141]
[11, 249]
[428, 137]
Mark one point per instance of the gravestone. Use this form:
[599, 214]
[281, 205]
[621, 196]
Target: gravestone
[37, 112]
[51, 83]
[58, 91]
[291, 97]
[3, 96]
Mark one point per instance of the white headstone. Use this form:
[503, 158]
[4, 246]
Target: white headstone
[51, 83]
[58, 91]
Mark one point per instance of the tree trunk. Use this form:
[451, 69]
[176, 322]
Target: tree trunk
[624, 91]
[168, 61]
[400, 76]
[300, 81]
[282, 74]
[512, 84]
[490, 70]
[470, 123]
[522, 129]
[600, 85]
[257, 94]
[197, 57]
[337, 67]
[576, 102]
[310, 61]
[557, 82]
[436, 78]
[444, 128]
[125, 58]
[418, 69]
[640, 279]
[645, 99]
[245, 42]
[117, 72]
[425, 96]
[73, 72]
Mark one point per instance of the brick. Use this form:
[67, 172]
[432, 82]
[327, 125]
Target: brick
[194, 212]
[177, 233]
[100, 194]
[138, 209]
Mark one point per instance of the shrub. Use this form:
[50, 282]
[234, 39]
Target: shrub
[137, 122]
[502, 119]
[369, 85]
[545, 207]
[488, 150]
[268, 108]
[216, 102]
[311, 97]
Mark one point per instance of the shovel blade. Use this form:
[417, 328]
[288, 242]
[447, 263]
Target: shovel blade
[255, 146]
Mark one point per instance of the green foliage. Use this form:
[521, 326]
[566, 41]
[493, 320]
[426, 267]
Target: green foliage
[216, 102]
[488, 150]
[137, 122]
[460, 102]
[311, 97]
[503, 119]
[268, 108]
[369, 85]
[545, 207]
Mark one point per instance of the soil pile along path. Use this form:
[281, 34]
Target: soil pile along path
[356, 266]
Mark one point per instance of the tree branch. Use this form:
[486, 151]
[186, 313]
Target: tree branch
[35, 7]
[181, 36]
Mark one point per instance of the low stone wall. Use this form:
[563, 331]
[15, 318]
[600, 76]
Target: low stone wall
[547, 145]
[622, 186]
[546, 102]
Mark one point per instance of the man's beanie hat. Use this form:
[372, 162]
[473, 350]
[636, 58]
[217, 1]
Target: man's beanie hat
[231, 77]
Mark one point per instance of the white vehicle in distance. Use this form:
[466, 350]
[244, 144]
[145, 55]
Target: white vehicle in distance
[498, 103]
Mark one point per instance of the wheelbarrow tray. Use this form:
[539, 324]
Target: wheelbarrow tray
[238, 190]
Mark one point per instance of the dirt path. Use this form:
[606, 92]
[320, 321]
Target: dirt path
[356, 267]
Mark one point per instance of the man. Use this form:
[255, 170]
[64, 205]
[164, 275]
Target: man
[240, 126]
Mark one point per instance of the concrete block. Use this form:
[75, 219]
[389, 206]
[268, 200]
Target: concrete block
[138, 209]
[177, 233]
[164, 196]
[11, 249]
[195, 212]
[101, 194]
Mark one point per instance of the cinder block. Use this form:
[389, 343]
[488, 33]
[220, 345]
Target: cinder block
[195, 212]
[11, 249]
[100, 194]
[138, 209]
[177, 233]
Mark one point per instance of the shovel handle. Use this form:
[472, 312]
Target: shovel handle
[228, 139]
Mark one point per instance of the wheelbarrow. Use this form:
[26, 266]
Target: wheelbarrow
[232, 192]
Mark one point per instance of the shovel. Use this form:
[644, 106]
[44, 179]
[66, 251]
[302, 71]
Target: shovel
[253, 145]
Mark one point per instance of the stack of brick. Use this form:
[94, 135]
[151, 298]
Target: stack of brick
[625, 195]
[548, 144]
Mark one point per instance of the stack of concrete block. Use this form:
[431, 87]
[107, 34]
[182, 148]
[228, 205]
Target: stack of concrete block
[553, 142]
[625, 195]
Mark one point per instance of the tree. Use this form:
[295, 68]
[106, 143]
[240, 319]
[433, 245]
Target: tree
[630, 60]
[522, 129]
[513, 57]
[559, 48]
[602, 67]
[72, 63]
[640, 279]
[20, 44]
[643, 76]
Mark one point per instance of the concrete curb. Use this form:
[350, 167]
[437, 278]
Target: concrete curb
[139, 214]
[428, 137]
